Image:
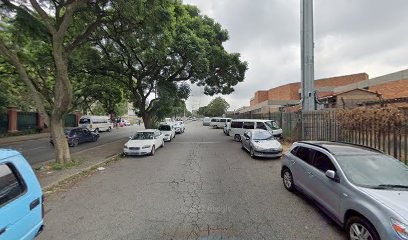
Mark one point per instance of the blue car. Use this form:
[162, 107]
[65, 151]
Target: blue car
[79, 135]
[21, 198]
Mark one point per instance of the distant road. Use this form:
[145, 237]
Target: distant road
[40, 150]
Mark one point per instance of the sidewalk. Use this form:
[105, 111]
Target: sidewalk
[14, 139]
[89, 159]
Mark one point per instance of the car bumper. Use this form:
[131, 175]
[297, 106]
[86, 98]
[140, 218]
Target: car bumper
[140, 152]
[167, 138]
[268, 154]
[206, 124]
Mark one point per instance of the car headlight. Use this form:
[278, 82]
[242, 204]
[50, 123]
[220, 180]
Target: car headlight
[146, 146]
[400, 228]
[125, 146]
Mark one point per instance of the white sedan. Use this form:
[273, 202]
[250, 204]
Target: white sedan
[168, 131]
[144, 142]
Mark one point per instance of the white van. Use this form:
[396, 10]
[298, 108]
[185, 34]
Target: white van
[96, 123]
[240, 126]
[219, 122]
[206, 121]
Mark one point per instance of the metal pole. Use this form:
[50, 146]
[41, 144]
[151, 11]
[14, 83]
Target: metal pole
[307, 54]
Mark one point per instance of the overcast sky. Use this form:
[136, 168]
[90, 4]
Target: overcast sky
[351, 36]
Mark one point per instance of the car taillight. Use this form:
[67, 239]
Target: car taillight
[42, 207]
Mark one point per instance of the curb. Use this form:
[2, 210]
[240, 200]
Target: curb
[40, 164]
[73, 175]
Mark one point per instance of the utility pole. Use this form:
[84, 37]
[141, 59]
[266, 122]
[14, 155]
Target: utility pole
[307, 54]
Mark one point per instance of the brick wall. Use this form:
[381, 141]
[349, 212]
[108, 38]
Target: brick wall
[396, 89]
[291, 91]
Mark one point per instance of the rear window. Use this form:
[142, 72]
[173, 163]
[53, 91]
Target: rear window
[249, 125]
[236, 124]
[165, 128]
[11, 185]
[84, 121]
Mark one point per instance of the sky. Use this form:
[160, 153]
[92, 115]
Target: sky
[351, 36]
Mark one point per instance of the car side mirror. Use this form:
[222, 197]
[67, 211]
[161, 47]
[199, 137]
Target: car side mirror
[331, 174]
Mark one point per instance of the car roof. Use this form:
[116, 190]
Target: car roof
[253, 120]
[147, 130]
[339, 148]
[7, 153]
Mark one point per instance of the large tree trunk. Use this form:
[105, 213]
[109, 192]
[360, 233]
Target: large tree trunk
[147, 120]
[62, 154]
[62, 102]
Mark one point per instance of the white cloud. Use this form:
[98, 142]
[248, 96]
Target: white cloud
[350, 37]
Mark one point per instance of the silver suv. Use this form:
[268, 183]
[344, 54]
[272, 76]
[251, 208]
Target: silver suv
[362, 189]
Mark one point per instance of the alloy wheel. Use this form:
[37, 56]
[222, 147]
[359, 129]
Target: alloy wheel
[287, 180]
[359, 232]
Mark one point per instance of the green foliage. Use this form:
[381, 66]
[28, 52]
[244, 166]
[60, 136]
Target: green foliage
[216, 108]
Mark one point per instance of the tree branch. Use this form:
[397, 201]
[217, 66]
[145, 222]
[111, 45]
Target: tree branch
[48, 21]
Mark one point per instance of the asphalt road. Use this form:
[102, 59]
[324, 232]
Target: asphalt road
[40, 150]
[199, 186]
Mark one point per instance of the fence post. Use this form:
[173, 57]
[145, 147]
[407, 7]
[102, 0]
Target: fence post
[395, 145]
[77, 117]
[40, 121]
[12, 119]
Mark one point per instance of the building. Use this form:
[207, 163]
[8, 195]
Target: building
[336, 92]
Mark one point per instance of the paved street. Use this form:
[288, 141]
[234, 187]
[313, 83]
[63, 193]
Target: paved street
[40, 150]
[199, 186]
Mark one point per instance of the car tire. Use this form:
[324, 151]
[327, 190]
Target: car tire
[153, 151]
[162, 143]
[287, 179]
[237, 138]
[94, 139]
[74, 143]
[96, 130]
[362, 225]
[109, 129]
[242, 146]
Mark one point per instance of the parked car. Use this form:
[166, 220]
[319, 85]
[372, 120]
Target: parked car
[76, 136]
[219, 122]
[194, 119]
[206, 121]
[179, 127]
[123, 123]
[362, 189]
[261, 143]
[96, 123]
[21, 198]
[144, 142]
[168, 131]
[239, 126]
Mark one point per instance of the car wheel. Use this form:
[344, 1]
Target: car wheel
[252, 153]
[162, 143]
[237, 138]
[359, 228]
[75, 143]
[109, 129]
[94, 139]
[96, 130]
[153, 151]
[288, 180]
[242, 145]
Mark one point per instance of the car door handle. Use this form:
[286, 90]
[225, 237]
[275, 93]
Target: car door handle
[34, 203]
[3, 230]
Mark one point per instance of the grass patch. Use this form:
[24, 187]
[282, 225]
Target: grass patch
[20, 133]
[58, 166]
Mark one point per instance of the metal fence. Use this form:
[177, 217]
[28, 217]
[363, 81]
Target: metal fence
[3, 123]
[70, 120]
[325, 126]
[26, 120]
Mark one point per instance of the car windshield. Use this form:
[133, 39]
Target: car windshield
[165, 128]
[143, 136]
[272, 125]
[374, 171]
[84, 121]
[264, 135]
[68, 132]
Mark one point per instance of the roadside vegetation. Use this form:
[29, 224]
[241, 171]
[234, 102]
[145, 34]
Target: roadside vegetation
[60, 56]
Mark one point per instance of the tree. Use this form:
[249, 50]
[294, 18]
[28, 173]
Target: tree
[159, 46]
[216, 108]
[63, 26]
